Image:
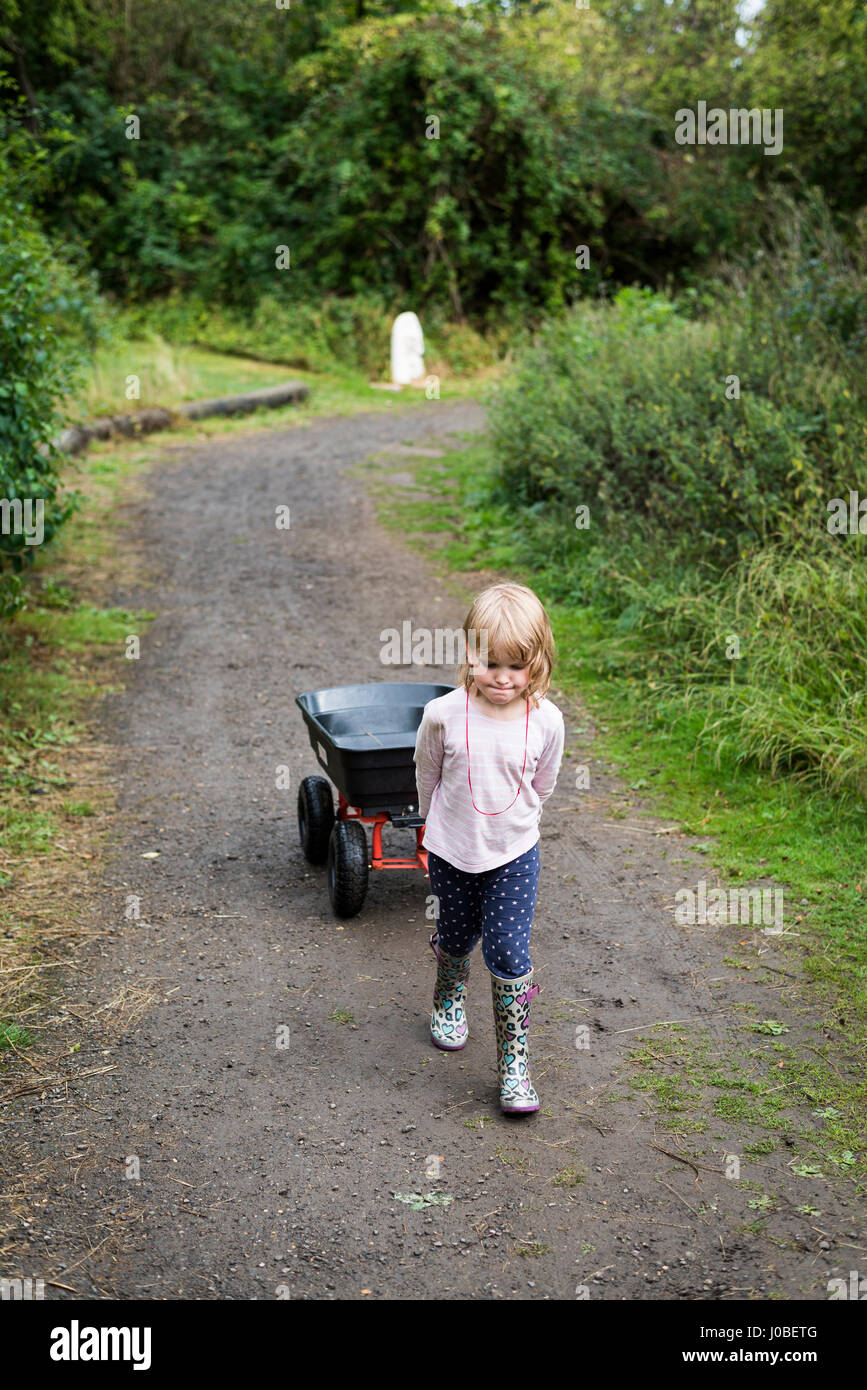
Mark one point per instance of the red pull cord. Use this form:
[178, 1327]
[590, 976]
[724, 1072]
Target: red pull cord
[520, 784]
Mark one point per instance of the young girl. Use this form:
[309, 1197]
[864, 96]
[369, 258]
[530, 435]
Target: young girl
[487, 756]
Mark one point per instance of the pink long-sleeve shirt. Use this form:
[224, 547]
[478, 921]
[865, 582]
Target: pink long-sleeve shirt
[455, 829]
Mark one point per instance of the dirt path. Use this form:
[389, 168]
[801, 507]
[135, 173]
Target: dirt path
[270, 1172]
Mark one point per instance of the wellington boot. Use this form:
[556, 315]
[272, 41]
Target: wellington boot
[448, 1024]
[511, 999]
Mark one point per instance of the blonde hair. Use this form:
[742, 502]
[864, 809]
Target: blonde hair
[512, 622]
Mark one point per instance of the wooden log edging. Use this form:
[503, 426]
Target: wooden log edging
[76, 439]
[268, 398]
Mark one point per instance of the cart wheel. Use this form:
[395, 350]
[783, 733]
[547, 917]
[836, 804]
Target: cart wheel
[347, 867]
[315, 818]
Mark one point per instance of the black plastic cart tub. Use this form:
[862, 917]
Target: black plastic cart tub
[363, 737]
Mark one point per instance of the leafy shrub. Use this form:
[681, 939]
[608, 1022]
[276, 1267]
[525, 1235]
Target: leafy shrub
[37, 369]
[633, 410]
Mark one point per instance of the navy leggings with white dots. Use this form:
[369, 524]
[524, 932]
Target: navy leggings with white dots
[495, 907]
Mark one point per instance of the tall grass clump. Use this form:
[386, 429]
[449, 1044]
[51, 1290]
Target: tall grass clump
[773, 654]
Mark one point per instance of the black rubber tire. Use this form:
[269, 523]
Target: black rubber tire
[347, 867]
[315, 818]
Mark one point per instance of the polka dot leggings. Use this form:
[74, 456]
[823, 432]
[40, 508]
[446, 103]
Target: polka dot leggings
[495, 907]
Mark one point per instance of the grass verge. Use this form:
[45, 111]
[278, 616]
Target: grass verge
[752, 825]
[164, 374]
[63, 652]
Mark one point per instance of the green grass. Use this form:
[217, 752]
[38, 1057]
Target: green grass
[341, 1016]
[44, 692]
[513, 1158]
[568, 1177]
[760, 1103]
[170, 374]
[64, 649]
[167, 376]
[749, 823]
[13, 1036]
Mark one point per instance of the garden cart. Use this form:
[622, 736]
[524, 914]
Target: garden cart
[363, 737]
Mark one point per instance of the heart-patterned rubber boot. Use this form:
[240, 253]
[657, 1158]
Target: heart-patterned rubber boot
[448, 1024]
[511, 1000]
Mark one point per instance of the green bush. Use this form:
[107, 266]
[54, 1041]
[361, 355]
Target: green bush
[633, 410]
[38, 368]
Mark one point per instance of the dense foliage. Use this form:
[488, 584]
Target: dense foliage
[38, 294]
[714, 432]
[309, 127]
[298, 174]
